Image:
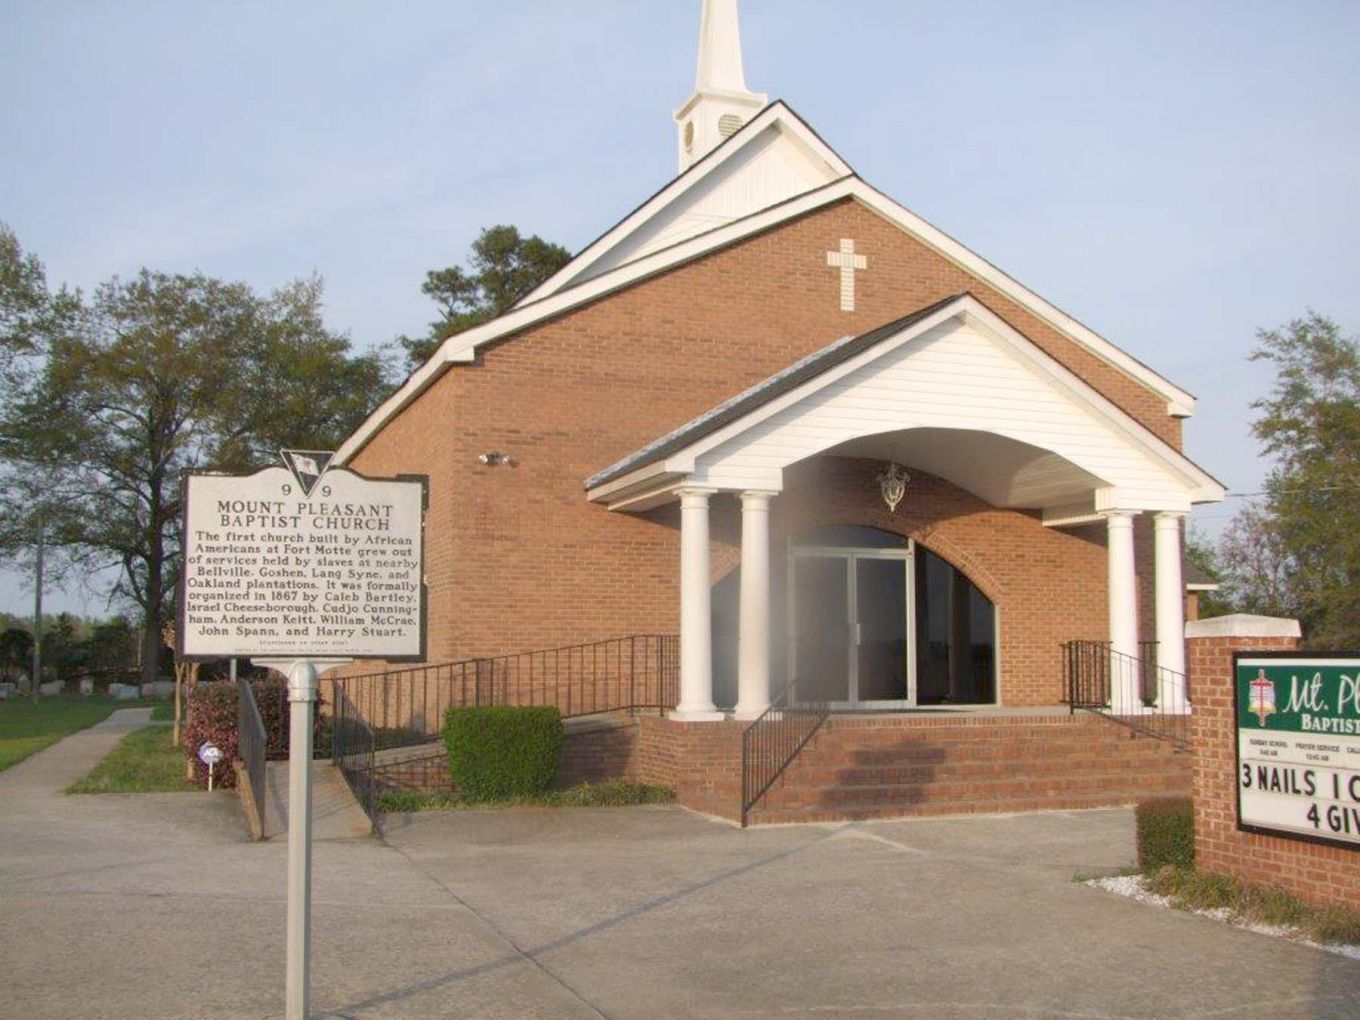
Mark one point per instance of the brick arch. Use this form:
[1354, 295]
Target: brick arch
[965, 562]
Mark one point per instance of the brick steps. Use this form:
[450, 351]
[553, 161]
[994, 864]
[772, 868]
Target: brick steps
[987, 805]
[904, 766]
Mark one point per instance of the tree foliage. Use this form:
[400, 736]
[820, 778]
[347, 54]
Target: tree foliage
[1201, 553]
[502, 268]
[113, 397]
[1297, 553]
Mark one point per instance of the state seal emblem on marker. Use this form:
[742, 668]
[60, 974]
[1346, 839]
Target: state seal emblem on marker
[307, 466]
[1261, 700]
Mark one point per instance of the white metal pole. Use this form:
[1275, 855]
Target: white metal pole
[302, 688]
[37, 614]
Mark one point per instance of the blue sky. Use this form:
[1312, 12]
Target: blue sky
[1174, 175]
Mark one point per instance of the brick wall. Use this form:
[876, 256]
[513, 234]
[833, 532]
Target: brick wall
[701, 762]
[516, 557]
[1320, 874]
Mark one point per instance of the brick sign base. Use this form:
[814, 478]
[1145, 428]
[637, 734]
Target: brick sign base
[1317, 873]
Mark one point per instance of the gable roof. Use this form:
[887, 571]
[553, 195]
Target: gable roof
[762, 392]
[628, 253]
[675, 452]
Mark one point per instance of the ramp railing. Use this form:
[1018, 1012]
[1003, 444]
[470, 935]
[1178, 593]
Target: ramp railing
[407, 706]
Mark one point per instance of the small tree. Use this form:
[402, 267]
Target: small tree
[502, 268]
[1303, 546]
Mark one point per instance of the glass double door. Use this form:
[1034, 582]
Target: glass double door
[852, 633]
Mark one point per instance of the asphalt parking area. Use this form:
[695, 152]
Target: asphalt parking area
[155, 905]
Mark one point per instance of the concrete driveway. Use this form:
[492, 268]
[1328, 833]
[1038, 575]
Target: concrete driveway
[156, 906]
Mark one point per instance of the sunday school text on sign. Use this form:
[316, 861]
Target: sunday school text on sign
[1298, 746]
[282, 564]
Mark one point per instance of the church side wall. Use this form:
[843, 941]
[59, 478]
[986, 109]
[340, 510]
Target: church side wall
[517, 559]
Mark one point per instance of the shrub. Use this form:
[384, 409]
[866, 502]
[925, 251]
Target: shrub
[503, 751]
[211, 715]
[1166, 833]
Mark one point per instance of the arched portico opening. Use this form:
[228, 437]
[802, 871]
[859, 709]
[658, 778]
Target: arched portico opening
[956, 392]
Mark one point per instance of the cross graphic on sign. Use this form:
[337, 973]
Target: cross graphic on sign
[847, 262]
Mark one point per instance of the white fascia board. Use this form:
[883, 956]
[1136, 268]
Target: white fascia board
[1180, 403]
[684, 460]
[1204, 487]
[1071, 515]
[775, 113]
[416, 383]
[644, 477]
[1200, 485]
[462, 346]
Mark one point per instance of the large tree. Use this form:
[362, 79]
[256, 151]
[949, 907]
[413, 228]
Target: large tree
[502, 268]
[113, 397]
[1309, 523]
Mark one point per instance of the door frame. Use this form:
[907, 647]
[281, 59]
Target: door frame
[852, 554]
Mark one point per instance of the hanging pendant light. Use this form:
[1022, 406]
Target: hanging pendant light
[892, 482]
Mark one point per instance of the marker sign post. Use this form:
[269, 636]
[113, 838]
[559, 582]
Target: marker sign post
[1298, 746]
[302, 566]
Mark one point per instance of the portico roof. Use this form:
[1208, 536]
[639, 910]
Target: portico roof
[762, 392]
[951, 387]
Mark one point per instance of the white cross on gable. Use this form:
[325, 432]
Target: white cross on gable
[847, 262]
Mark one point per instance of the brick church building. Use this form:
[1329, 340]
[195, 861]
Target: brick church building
[841, 457]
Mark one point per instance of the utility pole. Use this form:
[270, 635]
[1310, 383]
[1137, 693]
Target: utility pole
[37, 614]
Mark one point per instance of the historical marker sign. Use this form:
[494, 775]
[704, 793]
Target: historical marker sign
[303, 560]
[1298, 746]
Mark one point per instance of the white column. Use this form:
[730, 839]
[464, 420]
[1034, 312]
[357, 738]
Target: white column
[696, 624]
[1124, 681]
[1170, 612]
[753, 659]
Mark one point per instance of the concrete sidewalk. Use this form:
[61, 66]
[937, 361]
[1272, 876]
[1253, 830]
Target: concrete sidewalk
[156, 905]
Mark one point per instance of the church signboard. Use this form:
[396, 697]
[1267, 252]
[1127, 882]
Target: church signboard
[303, 560]
[1298, 746]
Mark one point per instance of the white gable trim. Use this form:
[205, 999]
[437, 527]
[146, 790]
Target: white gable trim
[1200, 486]
[776, 114]
[462, 347]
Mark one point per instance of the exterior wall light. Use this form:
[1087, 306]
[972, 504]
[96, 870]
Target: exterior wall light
[493, 457]
[893, 484]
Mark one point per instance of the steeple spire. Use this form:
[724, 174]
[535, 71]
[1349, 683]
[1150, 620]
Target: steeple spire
[720, 49]
[721, 103]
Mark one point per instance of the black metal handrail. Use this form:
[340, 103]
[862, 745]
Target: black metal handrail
[1134, 692]
[774, 739]
[353, 747]
[407, 706]
[252, 742]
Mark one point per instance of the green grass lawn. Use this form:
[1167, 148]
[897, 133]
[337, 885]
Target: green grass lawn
[613, 793]
[26, 728]
[143, 762]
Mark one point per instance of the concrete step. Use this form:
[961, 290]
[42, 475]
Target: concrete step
[815, 773]
[763, 815]
[969, 789]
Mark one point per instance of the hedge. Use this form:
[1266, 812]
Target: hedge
[1165, 829]
[503, 751]
[210, 708]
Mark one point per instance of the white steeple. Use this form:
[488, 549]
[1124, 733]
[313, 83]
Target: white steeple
[721, 103]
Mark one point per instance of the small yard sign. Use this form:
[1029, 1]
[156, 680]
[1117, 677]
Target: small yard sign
[1298, 746]
[303, 560]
